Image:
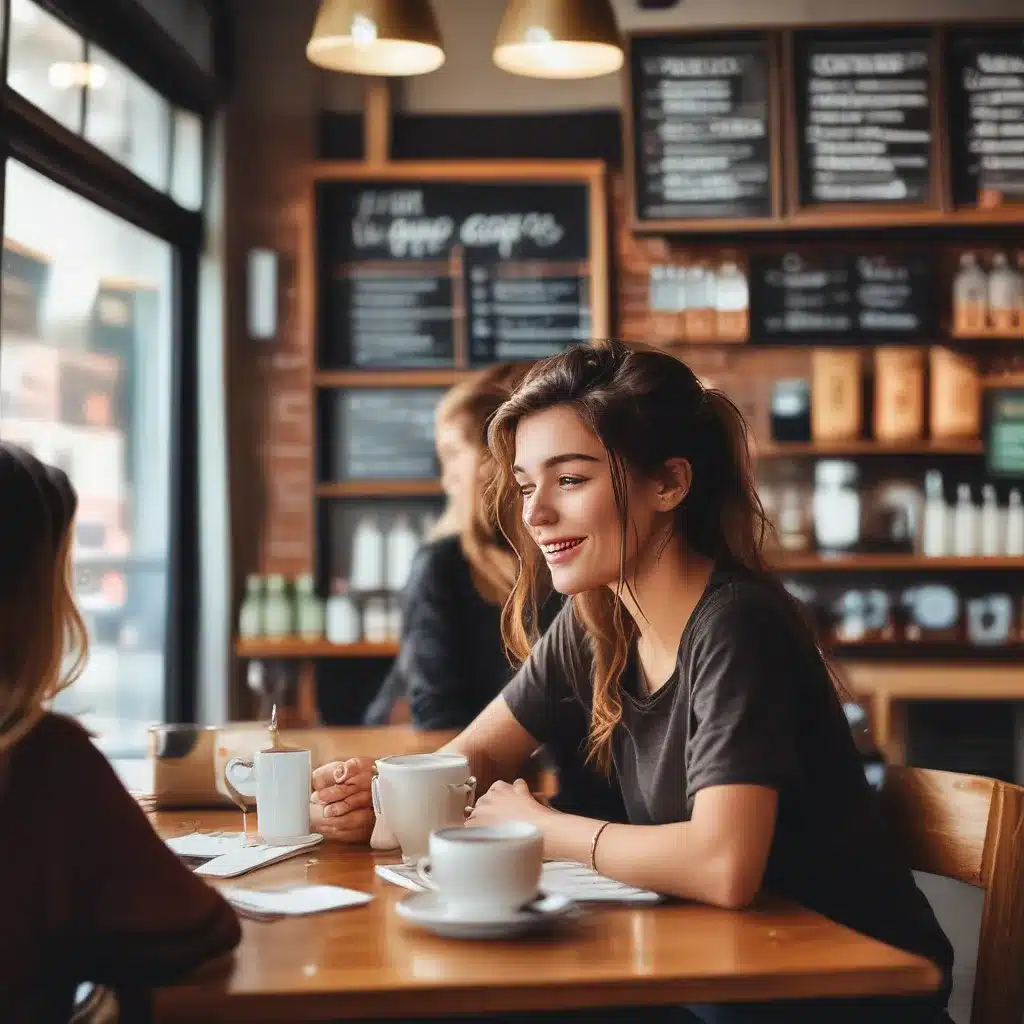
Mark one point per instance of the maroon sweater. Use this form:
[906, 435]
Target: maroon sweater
[88, 891]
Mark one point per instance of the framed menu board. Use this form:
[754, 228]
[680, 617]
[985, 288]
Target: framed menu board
[864, 117]
[384, 434]
[836, 293]
[701, 144]
[986, 116]
[452, 264]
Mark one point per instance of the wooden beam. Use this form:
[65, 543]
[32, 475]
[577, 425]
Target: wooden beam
[377, 121]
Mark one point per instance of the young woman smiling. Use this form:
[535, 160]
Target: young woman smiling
[628, 485]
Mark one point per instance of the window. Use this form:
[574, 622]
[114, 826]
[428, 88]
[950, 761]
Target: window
[127, 119]
[85, 371]
[93, 94]
[187, 169]
[46, 63]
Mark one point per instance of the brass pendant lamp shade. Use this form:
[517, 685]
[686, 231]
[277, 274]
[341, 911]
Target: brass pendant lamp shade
[559, 39]
[376, 37]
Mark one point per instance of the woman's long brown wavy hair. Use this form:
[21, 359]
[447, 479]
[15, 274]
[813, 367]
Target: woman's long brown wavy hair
[43, 640]
[645, 407]
[473, 402]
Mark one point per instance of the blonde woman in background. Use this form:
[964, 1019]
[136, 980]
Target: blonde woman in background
[460, 550]
[89, 892]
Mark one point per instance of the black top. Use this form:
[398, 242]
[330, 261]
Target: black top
[751, 702]
[452, 664]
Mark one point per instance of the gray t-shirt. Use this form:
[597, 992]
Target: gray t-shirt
[751, 702]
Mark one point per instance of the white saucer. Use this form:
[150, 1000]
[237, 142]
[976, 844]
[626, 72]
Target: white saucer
[429, 911]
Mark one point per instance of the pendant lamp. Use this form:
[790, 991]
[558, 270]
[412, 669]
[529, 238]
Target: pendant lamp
[376, 37]
[558, 39]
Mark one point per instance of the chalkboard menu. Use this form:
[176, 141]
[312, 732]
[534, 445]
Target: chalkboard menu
[834, 293]
[986, 98]
[445, 272]
[864, 118]
[1004, 445]
[385, 434]
[701, 128]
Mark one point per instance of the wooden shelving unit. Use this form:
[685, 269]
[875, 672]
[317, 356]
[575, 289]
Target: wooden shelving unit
[290, 648]
[379, 489]
[389, 378]
[828, 449]
[834, 220]
[791, 562]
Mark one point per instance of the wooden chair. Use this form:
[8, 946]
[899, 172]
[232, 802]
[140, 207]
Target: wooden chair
[972, 829]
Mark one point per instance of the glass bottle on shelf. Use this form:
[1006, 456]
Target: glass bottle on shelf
[836, 506]
[965, 523]
[732, 303]
[792, 523]
[250, 615]
[343, 625]
[375, 620]
[309, 609]
[278, 614]
[1014, 547]
[402, 545]
[368, 555]
[1003, 289]
[935, 526]
[699, 318]
[394, 620]
[970, 297]
[990, 530]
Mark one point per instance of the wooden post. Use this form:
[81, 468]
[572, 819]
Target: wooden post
[377, 121]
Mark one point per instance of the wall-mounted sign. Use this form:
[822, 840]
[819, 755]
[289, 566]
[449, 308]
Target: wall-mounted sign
[418, 272]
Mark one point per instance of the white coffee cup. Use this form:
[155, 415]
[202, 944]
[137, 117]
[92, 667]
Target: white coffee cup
[414, 794]
[281, 780]
[486, 871]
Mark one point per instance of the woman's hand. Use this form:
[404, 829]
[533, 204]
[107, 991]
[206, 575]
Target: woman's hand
[340, 806]
[503, 802]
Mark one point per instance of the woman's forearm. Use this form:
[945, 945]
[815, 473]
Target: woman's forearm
[670, 859]
[482, 766]
[497, 746]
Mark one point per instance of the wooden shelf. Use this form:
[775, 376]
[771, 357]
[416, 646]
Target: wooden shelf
[961, 680]
[439, 378]
[296, 647]
[380, 489]
[824, 219]
[792, 562]
[784, 449]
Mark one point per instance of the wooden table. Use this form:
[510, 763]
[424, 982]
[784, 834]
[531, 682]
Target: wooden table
[368, 962]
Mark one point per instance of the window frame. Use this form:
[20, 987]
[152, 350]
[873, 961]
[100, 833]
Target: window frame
[129, 33]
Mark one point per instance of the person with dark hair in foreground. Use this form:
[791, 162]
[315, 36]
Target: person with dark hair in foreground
[89, 892]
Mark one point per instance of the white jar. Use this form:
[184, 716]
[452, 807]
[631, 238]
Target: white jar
[836, 506]
[343, 621]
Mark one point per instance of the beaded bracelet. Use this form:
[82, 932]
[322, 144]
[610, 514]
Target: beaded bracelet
[593, 845]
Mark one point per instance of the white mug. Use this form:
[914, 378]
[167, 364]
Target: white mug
[486, 871]
[281, 781]
[413, 794]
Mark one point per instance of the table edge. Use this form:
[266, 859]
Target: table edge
[917, 976]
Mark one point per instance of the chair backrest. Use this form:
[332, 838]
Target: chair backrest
[972, 829]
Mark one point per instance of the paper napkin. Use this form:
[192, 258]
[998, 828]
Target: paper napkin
[295, 900]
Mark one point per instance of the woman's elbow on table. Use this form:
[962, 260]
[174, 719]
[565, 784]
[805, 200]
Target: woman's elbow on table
[736, 885]
[732, 829]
